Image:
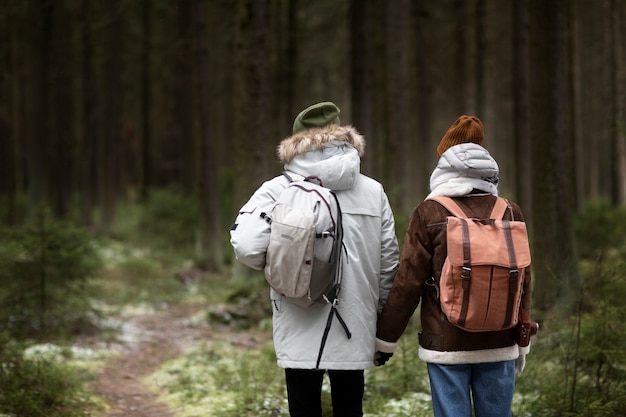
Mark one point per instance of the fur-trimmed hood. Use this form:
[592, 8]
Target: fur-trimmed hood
[317, 139]
[332, 153]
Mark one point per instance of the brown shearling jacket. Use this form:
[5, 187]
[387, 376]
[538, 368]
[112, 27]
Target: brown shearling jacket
[421, 263]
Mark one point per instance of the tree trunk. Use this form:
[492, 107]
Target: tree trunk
[108, 140]
[209, 250]
[423, 152]
[87, 160]
[399, 100]
[10, 127]
[251, 112]
[619, 34]
[461, 15]
[361, 86]
[555, 264]
[618, 138]
[146, 101]
[521, 120]
[61, 110]
[479, 72]
[37, 134]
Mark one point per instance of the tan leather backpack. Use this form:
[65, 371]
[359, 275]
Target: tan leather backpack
[482, 277]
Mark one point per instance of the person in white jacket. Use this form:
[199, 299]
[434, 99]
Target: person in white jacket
[321, 147]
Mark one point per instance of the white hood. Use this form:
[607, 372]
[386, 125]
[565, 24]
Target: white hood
[463, 168]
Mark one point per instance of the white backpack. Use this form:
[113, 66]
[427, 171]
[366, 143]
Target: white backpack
[303, 260]
[304, 252]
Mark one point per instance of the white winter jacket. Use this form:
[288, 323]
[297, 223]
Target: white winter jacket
[331, 153]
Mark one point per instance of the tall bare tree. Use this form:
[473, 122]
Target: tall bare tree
[108, 138]
[479, 63]
[60, 108]
[555, 262]
[10, 114]
[147, 172]
[401, 128]
[88, 95]
[361, 85]
[209, 250]
[521, 122]
[251, 109]
[618, 112]
[423, 161]
[461, 45]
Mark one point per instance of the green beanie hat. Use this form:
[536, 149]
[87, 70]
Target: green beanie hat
[317, 115]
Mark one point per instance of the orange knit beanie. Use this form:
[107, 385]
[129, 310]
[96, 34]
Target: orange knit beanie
[464, 129]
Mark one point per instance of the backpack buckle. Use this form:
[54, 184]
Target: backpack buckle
[466, 274]
[513, 277]
[324, 235]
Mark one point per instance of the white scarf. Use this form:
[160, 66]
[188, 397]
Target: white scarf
[463, 168]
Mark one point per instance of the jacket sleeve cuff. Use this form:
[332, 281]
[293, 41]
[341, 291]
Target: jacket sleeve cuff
[384, 346]
[524, 350]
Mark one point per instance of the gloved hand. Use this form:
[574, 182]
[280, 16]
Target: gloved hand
[520, 363]
[380, 358]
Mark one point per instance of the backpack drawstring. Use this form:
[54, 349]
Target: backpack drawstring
[333, 311]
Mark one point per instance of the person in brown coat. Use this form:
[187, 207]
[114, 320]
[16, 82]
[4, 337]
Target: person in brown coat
[463, 367]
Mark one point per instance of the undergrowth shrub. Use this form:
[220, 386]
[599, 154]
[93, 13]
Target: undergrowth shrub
[601, 231]
[170, 219]
[45, 267]
[149, 252]
[226, 380]
[576, 366]
[242, 305]
[138, 280]
[37, 386]
[400, 388]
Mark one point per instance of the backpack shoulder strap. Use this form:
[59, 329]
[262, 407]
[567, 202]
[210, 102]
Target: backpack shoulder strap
[450, 205]
[499, 208]
[287, 176]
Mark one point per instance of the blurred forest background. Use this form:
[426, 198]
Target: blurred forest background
[104, 102]
[150, 122]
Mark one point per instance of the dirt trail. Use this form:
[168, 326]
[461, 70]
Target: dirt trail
[153, 339]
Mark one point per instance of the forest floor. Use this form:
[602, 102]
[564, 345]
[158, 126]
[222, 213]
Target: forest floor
[151, 338]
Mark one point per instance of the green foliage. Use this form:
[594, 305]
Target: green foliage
[600, 229]
[149, 252]
[136, 275]
[37, 386]
[13, 208]
[400, 387]
[224, 379]
[576, 367]
[165, 223]
[237, 376]
[170, 219]
[402, 224]
[45, 266]
[242, 305]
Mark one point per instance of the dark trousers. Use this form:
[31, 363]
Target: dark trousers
[304, 392]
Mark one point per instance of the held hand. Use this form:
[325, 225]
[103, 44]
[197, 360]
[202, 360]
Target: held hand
[380, 358]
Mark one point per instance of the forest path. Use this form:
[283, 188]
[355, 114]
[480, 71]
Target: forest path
[152, 338]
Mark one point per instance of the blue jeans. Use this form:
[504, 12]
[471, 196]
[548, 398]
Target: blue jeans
[304, 392]
[489, 385]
